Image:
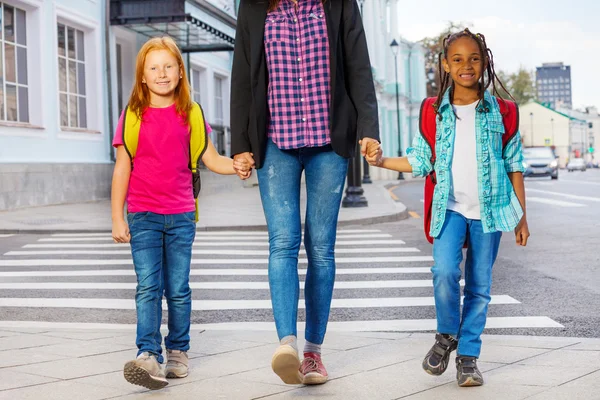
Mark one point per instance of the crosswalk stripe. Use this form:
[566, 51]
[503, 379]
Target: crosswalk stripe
[213, 272]
[569, 196]
[214, 305]
[581, 182]
[415, 283]
[399, 325]
[6, 235]
[218, 252]
[203, 244]
[553, 202]
[211, 233]
[213, 238]
[236, 261]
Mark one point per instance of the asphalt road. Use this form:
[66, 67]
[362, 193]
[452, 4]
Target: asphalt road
[550, 287]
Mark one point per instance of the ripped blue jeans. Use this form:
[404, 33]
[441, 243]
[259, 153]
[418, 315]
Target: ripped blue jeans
[279, 180]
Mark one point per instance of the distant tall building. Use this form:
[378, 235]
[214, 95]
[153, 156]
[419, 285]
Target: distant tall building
[554, 84]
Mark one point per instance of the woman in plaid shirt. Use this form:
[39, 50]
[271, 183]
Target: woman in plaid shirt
[302, 94]
[479, 194]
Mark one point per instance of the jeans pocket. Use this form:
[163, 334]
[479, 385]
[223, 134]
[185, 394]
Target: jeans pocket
[133, 218]
[190, 216]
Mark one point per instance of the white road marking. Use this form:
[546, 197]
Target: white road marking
[402, 325]
[213, 272]
[553, 202]
[236, 261]
[213, 305]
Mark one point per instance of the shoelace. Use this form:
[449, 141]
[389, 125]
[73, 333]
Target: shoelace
[311, 364]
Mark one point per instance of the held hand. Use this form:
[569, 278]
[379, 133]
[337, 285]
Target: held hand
[364, 143]
[120, 231]
[243, 164]
[373, 153]
[522, 233]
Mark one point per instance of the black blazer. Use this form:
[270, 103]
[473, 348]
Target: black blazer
[353, 104]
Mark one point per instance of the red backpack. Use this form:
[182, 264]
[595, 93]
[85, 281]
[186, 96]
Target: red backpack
[427, 126]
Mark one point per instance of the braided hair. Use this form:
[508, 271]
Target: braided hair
[488, 77]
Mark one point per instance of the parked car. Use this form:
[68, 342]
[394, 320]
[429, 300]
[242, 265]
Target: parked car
[576, 164]
[540, 161]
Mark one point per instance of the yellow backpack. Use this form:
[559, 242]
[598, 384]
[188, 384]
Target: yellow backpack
[198, 141]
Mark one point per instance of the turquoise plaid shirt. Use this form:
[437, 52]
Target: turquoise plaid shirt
[500, 207]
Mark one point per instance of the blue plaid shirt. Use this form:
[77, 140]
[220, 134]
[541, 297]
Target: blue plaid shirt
[500, 207]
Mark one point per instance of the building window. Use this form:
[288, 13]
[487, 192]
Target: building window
[218, 100]
[196, 86]
[14, 89]
[71, 77]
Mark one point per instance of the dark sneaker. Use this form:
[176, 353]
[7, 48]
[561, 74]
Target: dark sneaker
[436, 361]
[467, 373]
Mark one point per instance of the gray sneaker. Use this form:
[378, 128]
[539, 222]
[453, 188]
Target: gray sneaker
[177, 364]
[145, 371]
[467, 373]
[436, 360]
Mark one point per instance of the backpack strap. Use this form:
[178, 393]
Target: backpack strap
[510, 119]
[198, 145]
[427, 125]
[131, 132]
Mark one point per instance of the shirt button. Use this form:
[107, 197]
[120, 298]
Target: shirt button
[300, 80]
[297, 39]
[295, 20]
[303, 119]
[302, 99]
[299, 59]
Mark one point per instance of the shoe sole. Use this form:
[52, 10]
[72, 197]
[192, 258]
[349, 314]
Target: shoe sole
[314, 379]
[470, 382]
[139, 376]
[174, 375]
[286, 365]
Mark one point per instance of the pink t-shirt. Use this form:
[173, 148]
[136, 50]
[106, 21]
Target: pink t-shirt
[161, 180]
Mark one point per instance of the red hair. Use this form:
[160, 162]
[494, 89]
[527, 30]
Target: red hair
[140, 95]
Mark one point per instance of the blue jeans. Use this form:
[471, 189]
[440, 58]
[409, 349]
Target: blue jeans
[279, 181]
[161, 246]
[447, 254]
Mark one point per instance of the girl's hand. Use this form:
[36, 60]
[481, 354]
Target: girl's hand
[120, 231]
[373, 153]
[242, 167]
[522, 233]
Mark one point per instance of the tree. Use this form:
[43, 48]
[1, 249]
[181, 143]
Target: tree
[519, 84]
[433, 47]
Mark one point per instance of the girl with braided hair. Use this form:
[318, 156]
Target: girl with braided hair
[478, 195]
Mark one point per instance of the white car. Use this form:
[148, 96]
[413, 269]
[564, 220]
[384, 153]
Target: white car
[576, 164]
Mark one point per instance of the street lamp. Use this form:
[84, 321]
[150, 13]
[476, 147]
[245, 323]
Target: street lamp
[552, 123]
[532, 141]
[366, 176]
[354, 192]
[395, 47]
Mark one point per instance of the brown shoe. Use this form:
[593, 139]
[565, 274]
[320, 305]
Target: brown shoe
[286, 364]
[177, 364]
[145, 371]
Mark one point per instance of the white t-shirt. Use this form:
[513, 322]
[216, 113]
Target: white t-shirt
[464, 194]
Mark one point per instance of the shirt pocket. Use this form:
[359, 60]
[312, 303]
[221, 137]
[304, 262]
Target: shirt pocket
[277, 30]
[496, 131]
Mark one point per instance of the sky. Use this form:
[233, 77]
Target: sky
[522, 33]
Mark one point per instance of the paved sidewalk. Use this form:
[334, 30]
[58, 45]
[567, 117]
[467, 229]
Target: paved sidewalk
[231, 206]
[50, 363]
